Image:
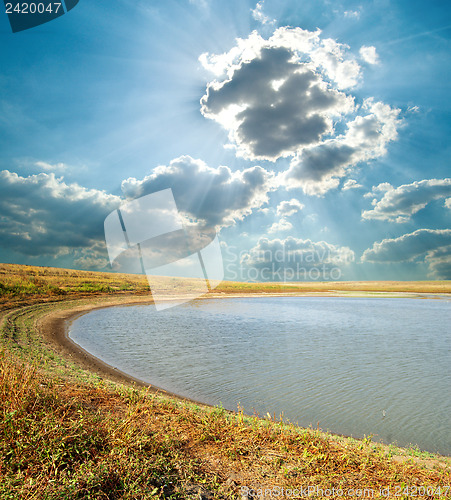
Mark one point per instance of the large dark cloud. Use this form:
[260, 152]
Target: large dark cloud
[283, 97]
[399, 204]
[273, 105]
[43, 216]
[320, 168]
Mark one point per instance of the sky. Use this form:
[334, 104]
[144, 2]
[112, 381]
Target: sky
[312, 136]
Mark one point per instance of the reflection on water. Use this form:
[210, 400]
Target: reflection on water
[355, 366]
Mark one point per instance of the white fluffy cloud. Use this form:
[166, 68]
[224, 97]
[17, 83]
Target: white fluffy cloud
[351, 184]
[399, 204]
[216, 196]
[369, 54]
[44, 216]
[280, 226]
[287, 208]
[260, 16]
[432, 246]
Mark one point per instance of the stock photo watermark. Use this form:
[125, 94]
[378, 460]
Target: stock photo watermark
[285, 264]
[151, 234]
[354, 492]
[24, 15]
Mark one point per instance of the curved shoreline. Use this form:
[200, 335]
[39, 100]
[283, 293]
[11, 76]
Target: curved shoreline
[228, 450]
[54, 327]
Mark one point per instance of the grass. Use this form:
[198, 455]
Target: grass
[69, 434]
[34, 284]
[91, 441]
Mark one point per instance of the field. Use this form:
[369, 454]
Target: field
[33, 284]
[69, 433]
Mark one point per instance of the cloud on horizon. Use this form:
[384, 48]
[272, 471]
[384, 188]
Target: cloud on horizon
[432, 246]
[294, 259]
[44, 216]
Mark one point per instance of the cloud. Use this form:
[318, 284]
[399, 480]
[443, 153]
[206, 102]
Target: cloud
[93, 257]
[351, 184]
[369, 54]
[382, 187]
[353, 14]
[293, 259]
[318, 169]
[439, 262]
[272, 107]
[44, 216]
[399, 204]
[280, 225]
[260, 16]
[275, 98]
[432, 246]
[287, 208]
[56, 167]
[285, 96]
[216, 196]
[448, 203]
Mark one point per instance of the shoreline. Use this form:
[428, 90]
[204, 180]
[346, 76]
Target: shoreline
[54, 327]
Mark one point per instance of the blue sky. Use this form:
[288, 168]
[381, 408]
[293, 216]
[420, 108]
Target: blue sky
[313, 136]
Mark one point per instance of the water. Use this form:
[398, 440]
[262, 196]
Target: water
[337, 363]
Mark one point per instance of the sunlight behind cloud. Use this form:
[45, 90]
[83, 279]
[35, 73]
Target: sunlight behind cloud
[284, 97]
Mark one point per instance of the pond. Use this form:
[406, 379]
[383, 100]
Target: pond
[353, 366]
